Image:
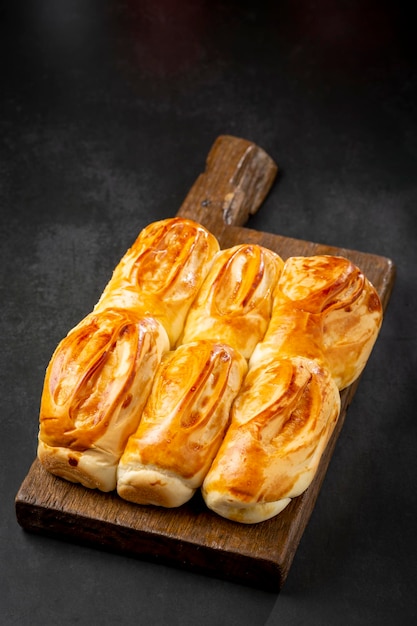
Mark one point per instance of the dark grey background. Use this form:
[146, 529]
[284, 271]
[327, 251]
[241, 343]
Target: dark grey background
[108, 109]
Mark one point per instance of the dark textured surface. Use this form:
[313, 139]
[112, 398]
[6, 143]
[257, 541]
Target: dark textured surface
[108, 110]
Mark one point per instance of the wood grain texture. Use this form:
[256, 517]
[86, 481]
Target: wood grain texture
[237, 179]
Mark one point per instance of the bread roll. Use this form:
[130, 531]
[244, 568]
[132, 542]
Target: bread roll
[160, 275]
[234, 303]
[324, 322]
[95, 388]
[182, 425]
[325, 308]
[281, 422]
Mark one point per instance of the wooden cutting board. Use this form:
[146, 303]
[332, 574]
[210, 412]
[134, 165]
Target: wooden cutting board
[237, 178]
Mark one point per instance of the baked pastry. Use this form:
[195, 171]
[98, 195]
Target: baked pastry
[324, 322]
[281, 422]
[187, 413]
[160, 275]
[95, 388]
[100, 375]
[234, 303]
[326, 308]
[182, 425]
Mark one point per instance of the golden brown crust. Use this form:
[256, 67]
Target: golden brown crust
[182, 425]
[160, 275]
[100, 375]
[233, 305]
[324, 322]
[95, 387]
[281, 422]
[306, 329]
[324, 308]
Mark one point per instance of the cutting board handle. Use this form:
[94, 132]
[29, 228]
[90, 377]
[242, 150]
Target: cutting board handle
[237, 178]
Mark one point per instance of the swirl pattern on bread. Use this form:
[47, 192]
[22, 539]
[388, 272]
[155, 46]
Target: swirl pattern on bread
[324, 322]
[182, 425]
[161, 274]
[95, 388]
[234, 303]
[207, 368]
[100, 375]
